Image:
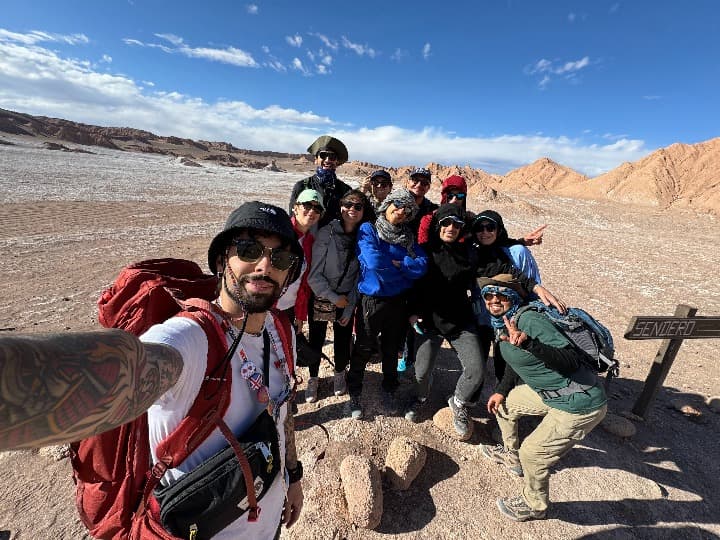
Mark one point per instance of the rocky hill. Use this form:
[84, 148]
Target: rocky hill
[680, 175]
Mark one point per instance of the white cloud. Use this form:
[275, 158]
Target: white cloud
[426, 51]
[228, 55]
[252, 9]
[297, 65]
[106, 58]
[360, 50]
[329, 43]
[294, 41]
[37, 36]
[398, 55]
[549, 68]
[40, 81]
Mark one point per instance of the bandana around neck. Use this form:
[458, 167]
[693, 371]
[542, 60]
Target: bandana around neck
[326, 176]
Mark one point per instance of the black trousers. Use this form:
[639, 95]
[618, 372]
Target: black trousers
[342, 342]
[381, 324]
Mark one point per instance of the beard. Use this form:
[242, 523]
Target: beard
[252, 302]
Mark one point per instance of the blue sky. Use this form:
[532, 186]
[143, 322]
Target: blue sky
[493, 84]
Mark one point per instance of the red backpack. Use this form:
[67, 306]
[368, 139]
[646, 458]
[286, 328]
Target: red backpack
[112, 471]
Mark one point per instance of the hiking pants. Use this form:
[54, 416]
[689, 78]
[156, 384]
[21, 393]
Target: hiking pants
[558, 432]
[469, 349]
[342, 342]
[386, 316]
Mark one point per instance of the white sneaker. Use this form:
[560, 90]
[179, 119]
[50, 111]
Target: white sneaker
[311, 391]
[339, 384]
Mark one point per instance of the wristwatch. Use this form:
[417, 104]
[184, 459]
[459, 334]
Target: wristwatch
[295, 474]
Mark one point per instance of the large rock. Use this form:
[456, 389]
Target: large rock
[404, 461]
[617, 425]
[362, 485]
[443, 419]
[713, 404]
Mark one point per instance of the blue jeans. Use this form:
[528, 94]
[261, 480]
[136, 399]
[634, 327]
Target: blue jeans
[472, 356]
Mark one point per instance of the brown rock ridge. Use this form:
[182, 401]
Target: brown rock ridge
[680, 175]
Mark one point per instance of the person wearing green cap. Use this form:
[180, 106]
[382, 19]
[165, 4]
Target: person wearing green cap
[329, 153]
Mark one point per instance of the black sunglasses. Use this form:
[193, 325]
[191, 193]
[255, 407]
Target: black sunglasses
[251, 251]
[328, 155]
[489, 227]
[420, 180]
[401, 206]
[500, 296]
[357, 206]
[447, 221]
[312, 206]
[381, 183]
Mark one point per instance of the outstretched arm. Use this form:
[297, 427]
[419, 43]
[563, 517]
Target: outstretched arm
[59, 388]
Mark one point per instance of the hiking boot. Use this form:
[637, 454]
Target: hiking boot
[339, 383]
[412, 412]
[390, 403]
[518, 510]
[311, 392]
[461, 422]
[500, 454]
[356, 412]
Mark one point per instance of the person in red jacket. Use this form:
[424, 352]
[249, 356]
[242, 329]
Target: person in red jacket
[454, 190]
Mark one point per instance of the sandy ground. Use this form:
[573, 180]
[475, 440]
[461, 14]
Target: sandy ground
[616, 261]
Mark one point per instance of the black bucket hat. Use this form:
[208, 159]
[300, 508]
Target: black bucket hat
[262, 217]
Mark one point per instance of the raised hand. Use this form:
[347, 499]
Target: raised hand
[515, 336]
[535, 237]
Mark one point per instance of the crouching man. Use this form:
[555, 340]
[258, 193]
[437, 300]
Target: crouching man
[545, 377]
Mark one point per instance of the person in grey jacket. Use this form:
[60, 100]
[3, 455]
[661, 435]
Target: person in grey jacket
[333, 277]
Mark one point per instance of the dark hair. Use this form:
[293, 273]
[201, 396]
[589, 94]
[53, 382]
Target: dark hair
[368, 212]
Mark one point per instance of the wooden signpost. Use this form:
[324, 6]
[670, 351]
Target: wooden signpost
[683, 325]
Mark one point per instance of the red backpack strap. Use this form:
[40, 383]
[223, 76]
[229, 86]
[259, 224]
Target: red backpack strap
[208, 408]
[285, 332]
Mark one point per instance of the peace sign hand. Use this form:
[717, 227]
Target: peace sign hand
[515, 336]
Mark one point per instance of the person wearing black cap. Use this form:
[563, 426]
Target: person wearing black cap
[378, 186]
[328, 153]
[254, 257]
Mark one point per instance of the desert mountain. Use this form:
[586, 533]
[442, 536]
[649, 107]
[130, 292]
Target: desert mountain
[680, 175]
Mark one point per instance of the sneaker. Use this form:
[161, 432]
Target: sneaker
[390, 403]
[500, 454]
[311, 392]
[518, 510]
[339, 383]
[356, 412]
[461, 422]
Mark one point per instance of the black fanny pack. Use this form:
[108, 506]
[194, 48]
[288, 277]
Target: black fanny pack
[213, 495]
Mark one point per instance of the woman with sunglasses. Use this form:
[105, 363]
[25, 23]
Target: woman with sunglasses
[333, 278]
[377, 187]
[390, 262]
[491, 244]
[454, 190]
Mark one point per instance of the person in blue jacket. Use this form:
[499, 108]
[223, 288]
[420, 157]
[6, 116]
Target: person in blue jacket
[390, 262]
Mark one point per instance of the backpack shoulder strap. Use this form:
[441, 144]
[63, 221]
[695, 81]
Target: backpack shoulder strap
[284, 328]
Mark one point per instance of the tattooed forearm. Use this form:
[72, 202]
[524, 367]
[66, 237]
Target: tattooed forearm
[290, 449]
[63, 387]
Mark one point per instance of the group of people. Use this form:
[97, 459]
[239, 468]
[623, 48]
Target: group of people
[395, 274]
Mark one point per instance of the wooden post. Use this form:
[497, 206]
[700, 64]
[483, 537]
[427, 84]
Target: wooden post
[661, 366]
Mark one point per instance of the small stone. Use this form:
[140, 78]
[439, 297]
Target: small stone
[686, 408]
[617, 425]
[713, 404]
[404, 461]
[362, 485]
[57, 452]
[443, 419]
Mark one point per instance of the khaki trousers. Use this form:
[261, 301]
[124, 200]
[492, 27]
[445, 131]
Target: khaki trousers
[558, 432]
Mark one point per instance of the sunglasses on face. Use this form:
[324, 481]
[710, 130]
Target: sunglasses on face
[348, 205]
[500, 296]
[400, 206]
[489, 227]
[382, 183]
[312, 206]
[330, 156]
[458, 196]
[420, 180]
[449, 221]
[251, 251]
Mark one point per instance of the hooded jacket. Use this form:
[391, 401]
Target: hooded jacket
[427, 222]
